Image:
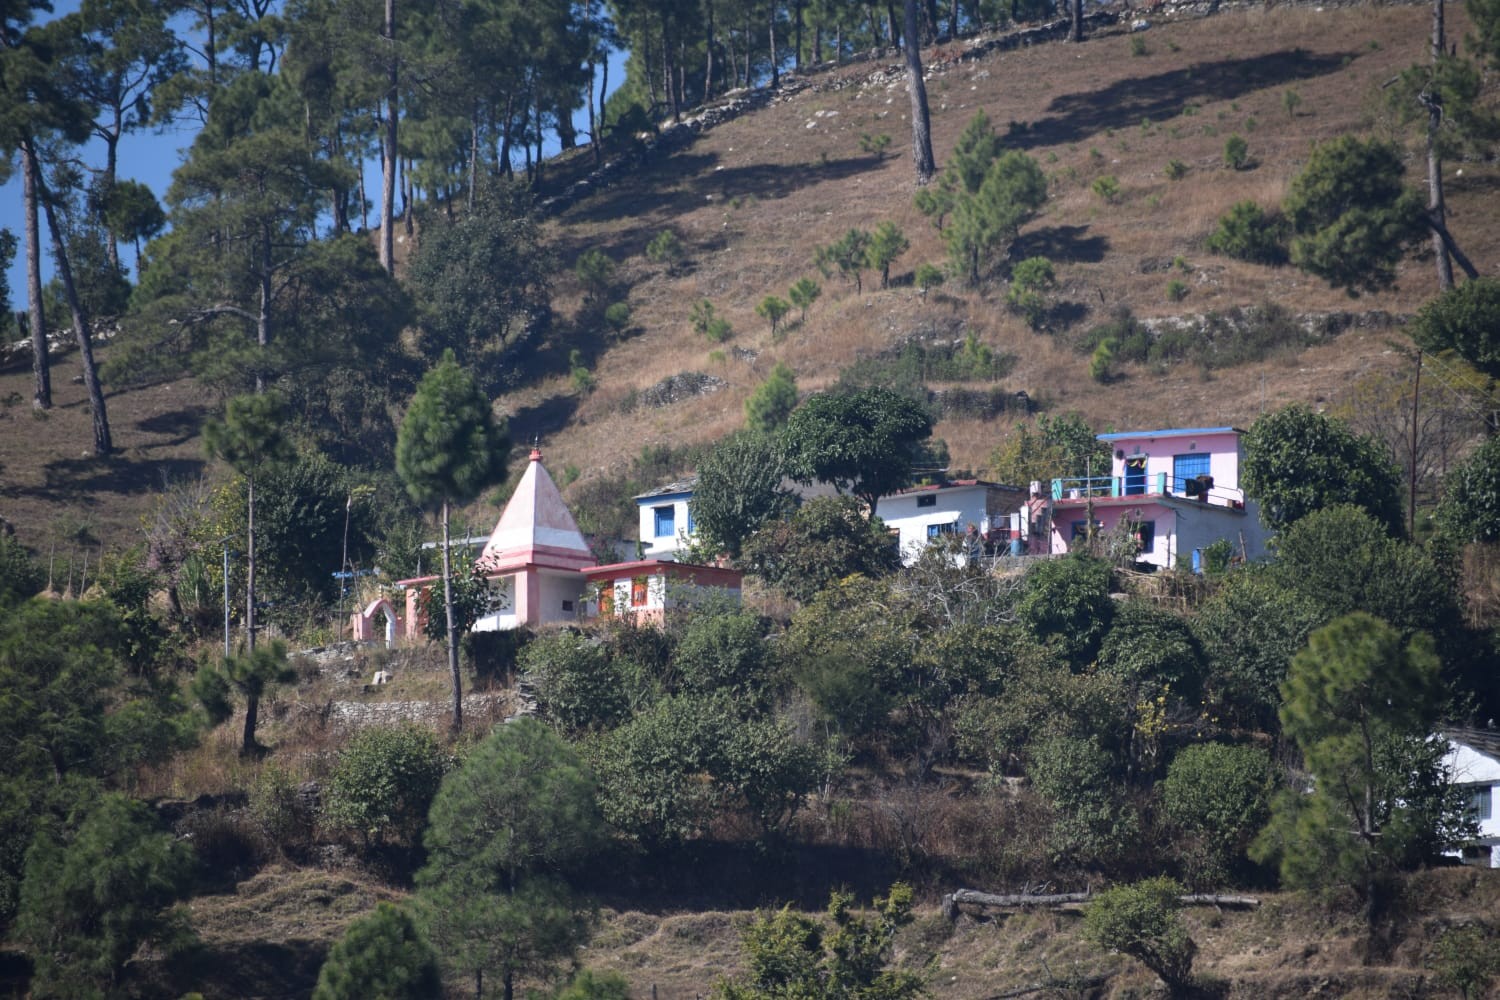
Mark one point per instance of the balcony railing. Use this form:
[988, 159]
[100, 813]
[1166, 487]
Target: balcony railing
[1201, 489]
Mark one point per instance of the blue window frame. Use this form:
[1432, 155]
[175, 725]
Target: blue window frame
[692, 528]
[1185, 467]
[938, 530]
[1480, 803]
[666, 521]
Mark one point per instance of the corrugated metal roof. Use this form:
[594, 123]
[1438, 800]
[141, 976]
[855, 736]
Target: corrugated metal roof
[1179, 432]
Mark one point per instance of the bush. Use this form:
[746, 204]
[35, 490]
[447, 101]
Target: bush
[380, 955]
[577, 683]
[874, 145]
[1177, 290]
[1219, 797]
[1248, 232]
[1107, 187]
[725, 653]
[1141, 921]
[928, 277]
[665, 248]
[1236, 152]
[1175, 170]
[617, 317]
[384, 782]
[1030, 280]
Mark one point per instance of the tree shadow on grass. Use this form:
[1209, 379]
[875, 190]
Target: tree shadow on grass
[534, 423]
[82, 480]
[1061, 245]
[181, 424]
[1074, 117]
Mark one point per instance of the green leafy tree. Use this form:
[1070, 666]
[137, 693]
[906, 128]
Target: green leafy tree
[250, 674]
[828, 538]
[90, 899]
[791, 957]
[1050, 447]
[380, 955]
[1154, 651]
[772, 402]
[860, 442]
[1466, 321]
[508, 829]
[1342, 559]
[448, 449]
[803, 294]
[1141, 920]
[772, 309]
[131, 212]
[482, 280]
[250, 439]
[848, 255]
[1249, 232]
[1470, 508]
[987, 222]
[739, 484]
[886, 244]
[1352, 216]
[1466, 959]
[1298, 461]
[384, 783]
[1218, 797]
[1360, 703]
[728, 653]
[20, 576]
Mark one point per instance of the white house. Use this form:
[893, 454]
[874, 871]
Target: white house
[666, 519]
[1177, 490]
[923, 514]
[1473, 763]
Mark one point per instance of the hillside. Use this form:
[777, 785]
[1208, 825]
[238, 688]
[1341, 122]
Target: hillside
[752, 197]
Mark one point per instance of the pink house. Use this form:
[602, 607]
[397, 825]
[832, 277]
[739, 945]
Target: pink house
[1178, 491]
[645, 590]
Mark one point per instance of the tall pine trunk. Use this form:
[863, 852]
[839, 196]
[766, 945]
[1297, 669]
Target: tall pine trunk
[1436, 206]
[458, 690]
[388, 157]
[102, 443]
[708, 57]
[771, 33]
[921, 123]
[41, 365]
[252, 701]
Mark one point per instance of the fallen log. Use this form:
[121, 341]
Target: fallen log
[973, 897]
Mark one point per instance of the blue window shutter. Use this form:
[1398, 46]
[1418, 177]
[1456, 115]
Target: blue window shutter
[666, 521]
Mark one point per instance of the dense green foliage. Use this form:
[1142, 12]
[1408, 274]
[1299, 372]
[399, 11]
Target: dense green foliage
[1298, 461]
[860, 442]
[384, 782]
[93, 896]
[1249, 232]
[739, 486]
[1465, 320]
[1470, 509]
[792, 958]
[1141, 920]
[380, 956]
[1351, 215]
[1218, 797]
[826, 539]
[508, 829]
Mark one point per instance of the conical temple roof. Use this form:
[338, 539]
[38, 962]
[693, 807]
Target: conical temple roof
[536, 528]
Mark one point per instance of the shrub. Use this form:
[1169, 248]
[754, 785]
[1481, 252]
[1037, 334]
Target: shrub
[617, 316]
[1138, 46]
[772, 309]
[1141, 921]
[583, 379]
[1101, 359]
[578, 685]
[928, 277]
[1176, 290]
[1030, 280]
[384, 783]
[380, 955]
[1175, 170]
[665, 248]
[1219, 797]
[1236, 152]
[1249, 232]
[1107, 187]
[874, 145]
[1291, 100]
[595, 271]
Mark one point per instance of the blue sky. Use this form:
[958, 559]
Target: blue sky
[150, 158]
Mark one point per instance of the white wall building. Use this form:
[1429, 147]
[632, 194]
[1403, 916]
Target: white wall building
[923, 514]
[1473, 763]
